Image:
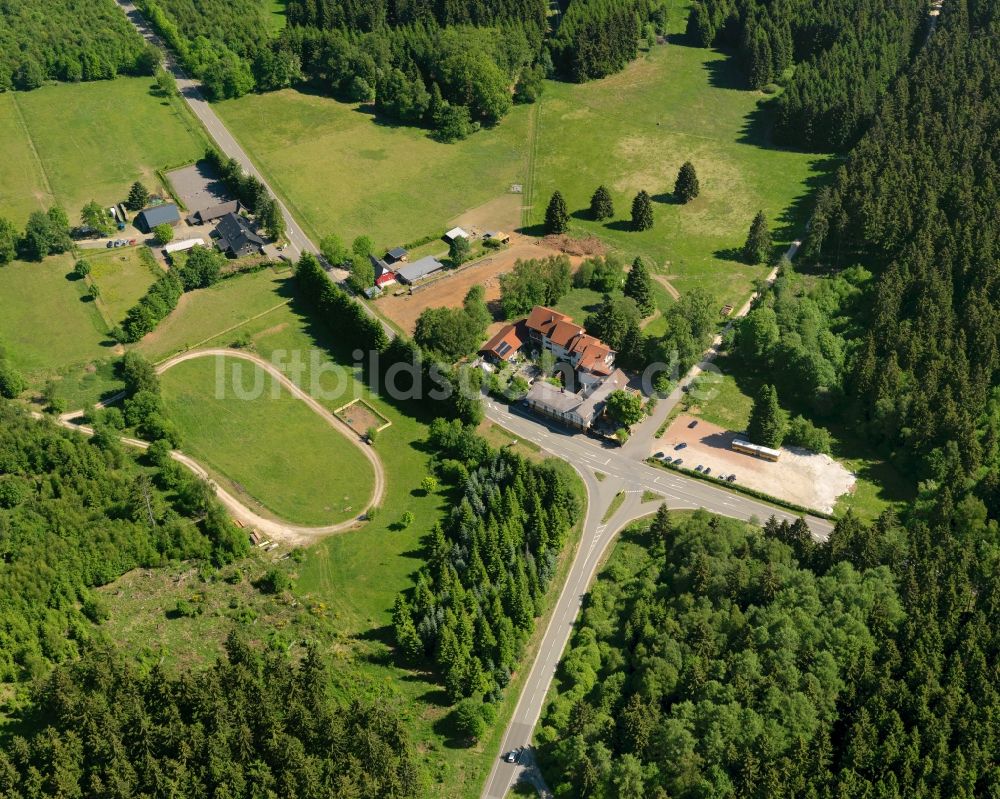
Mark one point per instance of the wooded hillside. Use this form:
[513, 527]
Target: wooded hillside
[69, 40]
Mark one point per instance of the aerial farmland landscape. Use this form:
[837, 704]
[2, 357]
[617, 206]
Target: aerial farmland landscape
[571, 398]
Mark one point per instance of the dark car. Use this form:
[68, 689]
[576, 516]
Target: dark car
[698, 468]
[708, 470]
[731, 478]
[678, 462]
[660, 455]
[693, 424]
[680, 446]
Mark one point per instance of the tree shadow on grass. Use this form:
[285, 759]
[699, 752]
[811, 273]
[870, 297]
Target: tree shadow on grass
[619, 224]
[725, 73]
[793, 218]
[667, 198]
[584, 215]
[537, 230]
[734, 254]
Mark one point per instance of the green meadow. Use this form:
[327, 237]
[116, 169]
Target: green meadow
[632, 131]
[344, 171]
[269, 448]
[72, 143]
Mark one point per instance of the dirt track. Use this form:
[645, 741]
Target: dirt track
[274, 529]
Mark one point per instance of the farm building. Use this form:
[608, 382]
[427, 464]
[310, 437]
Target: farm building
[455, 233]
[383, 272]
[180, 246]
[411, 273]
[395, 255]
[215, 212]
[505, 344]
[235, 238]
[498, 236]
[148, 218]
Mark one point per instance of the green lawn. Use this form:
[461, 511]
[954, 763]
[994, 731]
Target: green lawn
[344, 171]
[205, 313]
[122, 277]
[271, 447]
[633, 130]
[93, 140]
[47, 323]
[22, 183]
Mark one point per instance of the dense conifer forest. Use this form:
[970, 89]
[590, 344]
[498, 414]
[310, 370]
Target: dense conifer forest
[475, 602]
[845, 55]
[69, 40]
[254, 726]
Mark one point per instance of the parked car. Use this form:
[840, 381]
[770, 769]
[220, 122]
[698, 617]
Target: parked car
[678, 462]
[680, 446]
[731, 478]
[668, 459]
[110, 244]
[693, 424]
[698, 468]
[708, 470]
[660, 455]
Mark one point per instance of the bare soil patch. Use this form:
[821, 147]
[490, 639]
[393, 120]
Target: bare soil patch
[801, 477]
[450, 289]
[582, 247]
[361, 417]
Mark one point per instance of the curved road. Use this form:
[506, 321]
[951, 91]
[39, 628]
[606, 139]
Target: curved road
[274, 529]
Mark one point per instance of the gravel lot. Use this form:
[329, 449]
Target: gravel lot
[803, 477]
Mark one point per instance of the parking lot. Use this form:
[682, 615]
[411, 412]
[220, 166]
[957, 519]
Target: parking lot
[802, 477]
[198, 186]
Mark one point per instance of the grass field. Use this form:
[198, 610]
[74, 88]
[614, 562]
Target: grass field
[346, 172]
[272, 448]
[122, 277]
[633, 130]
[92, 141]
[47, 323]
[202, 314]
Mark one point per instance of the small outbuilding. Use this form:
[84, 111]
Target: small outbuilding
[498, 236]
[396, 255]
[215, 212]
[411, 273]
[455, 233]
[148, 218]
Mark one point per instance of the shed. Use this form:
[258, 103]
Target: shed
[180, 246]
[419, 269]
[148, 218]
[497, 235]
[455, 233]
[396, 254]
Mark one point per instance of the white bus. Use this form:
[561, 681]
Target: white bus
[768, 454]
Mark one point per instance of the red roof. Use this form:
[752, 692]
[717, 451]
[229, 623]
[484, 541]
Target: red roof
[542, 319]
[505, 343]
[385, 277]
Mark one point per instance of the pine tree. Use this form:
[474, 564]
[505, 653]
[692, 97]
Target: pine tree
[601, 204]
[661, 527]
[556, 215]
[758, 247]
[642, 212]
[767, 423]
[639, 287]
[686, 187]
[138, 196]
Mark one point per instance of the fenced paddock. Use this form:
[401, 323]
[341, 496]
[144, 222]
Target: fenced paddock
[361, 417]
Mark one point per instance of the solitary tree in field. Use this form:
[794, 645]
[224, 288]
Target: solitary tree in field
[686, 188]
[642, 211]
[601, 204]
[767, 423]
[556, 215]
[81, 269]
[639, 287]
[138, 196]
[758, 247]
[163, 233]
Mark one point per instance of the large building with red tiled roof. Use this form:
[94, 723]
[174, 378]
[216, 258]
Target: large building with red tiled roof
[557, 333]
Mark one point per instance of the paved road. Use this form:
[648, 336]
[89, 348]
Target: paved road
[272, 528]
[623, 472]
